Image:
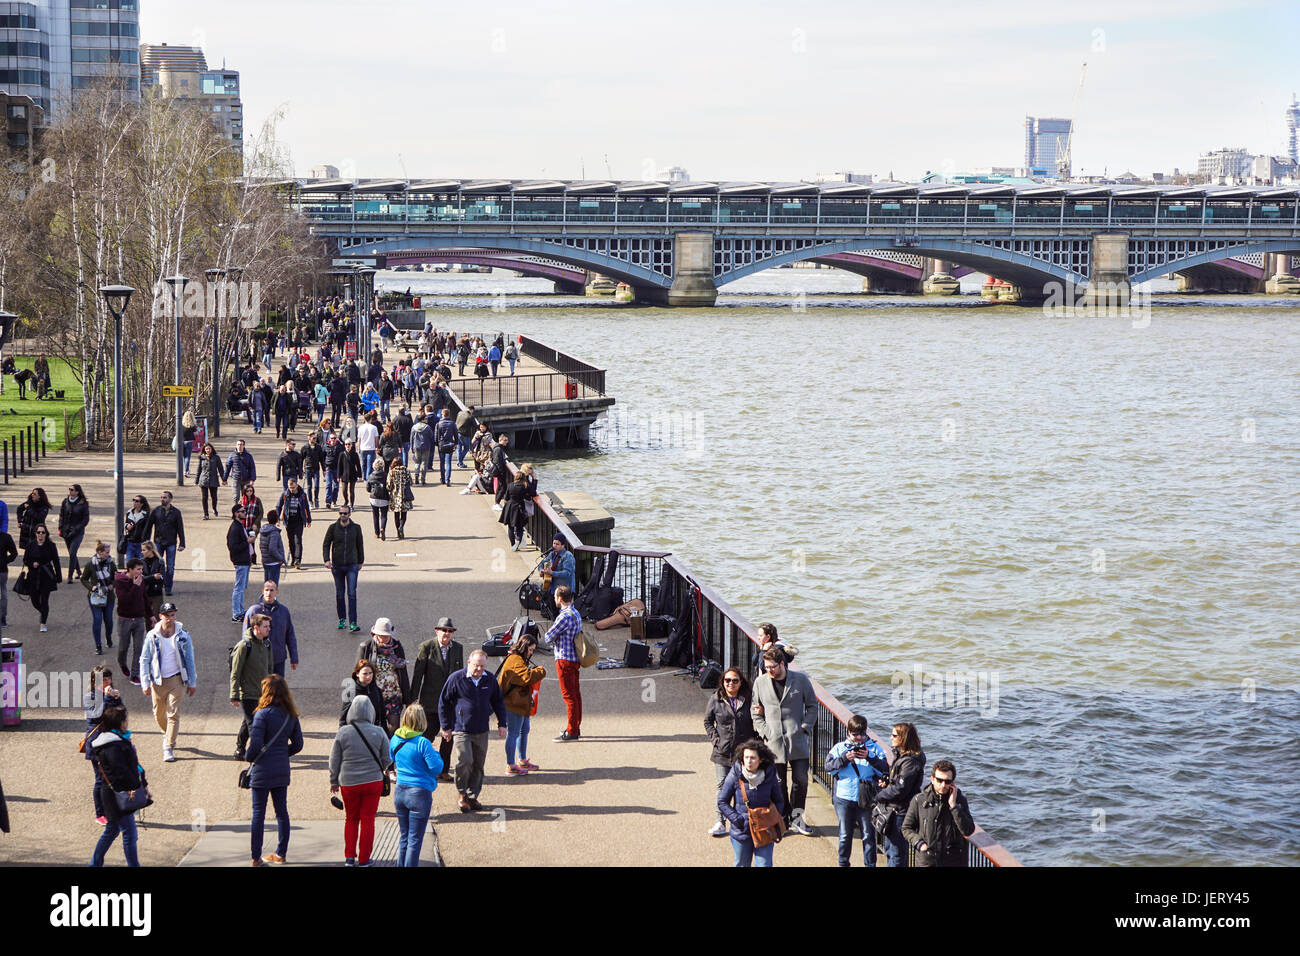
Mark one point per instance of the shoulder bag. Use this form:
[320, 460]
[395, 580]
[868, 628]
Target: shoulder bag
[129, 801]
[246, 775]
[765, 824]
[388, 783]
[21, 587]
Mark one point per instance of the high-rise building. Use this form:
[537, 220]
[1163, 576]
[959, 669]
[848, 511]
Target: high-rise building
[51, 49]
[1045, 140]
[1224, 165]
[181, 73]
[1293, 125]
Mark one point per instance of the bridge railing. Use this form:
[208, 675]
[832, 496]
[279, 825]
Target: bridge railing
[561, 361]
[526, 389]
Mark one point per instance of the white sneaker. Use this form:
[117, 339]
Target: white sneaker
[168, 756]
[496, 507]
[44, 628]
[798, 825]
[718, 830]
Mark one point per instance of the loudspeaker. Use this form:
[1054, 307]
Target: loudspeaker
[658, 627]
[710, 674]
[636, 654]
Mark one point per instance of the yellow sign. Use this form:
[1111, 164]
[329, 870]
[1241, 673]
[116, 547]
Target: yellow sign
[178, 391]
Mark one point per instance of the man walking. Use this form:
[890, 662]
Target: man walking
[785, 712]
[445, 438]
[296, 512]
[284, 643]
[567, 626]
[422, 448]
[344, 551]
[239, 544]
[240, 468]
[313, 461]
[132, 610]
[167, 666]
[437, 660]
[288, 465]
[250, 664]
[501, 468]
[167, 530]
[465, 430]
[468, 700]
[938, 820]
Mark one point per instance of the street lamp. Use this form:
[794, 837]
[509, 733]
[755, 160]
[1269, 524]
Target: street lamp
[233, 274]
[177, 284]
[117, 298]
[214, 276]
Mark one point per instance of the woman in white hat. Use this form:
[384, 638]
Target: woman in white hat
[386, 656]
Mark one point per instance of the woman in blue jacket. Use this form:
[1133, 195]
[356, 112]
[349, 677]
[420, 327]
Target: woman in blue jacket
[275, 736]
[418, 765]
[756, 767]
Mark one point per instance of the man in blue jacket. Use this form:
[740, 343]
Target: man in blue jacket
[855, 763]
[284, 643]
[468, 700]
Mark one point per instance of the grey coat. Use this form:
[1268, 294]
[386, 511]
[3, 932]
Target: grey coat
[351, 764]
[788, 739]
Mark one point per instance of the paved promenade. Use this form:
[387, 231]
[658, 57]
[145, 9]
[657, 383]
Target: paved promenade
[636, 790]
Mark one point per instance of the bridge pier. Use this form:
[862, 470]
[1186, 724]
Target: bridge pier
[569, 288]
[938, 278]
[693, 283]
[1109, 285]
[1278, 277]
[889, 283]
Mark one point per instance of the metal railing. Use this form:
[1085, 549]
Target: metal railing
[563, 362]
[527, 389]
[24, 449]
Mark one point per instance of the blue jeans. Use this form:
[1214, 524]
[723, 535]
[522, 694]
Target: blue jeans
[896, 848]
[272, 572]
[516, 731]
[101, 615]
[746, 855]
[367, 460]
[384, 409]
[187, 450]
[413, 806]
[855, 821]
[124, 825]
[313, 485]
[346, 575]
[512, 365]
[280, 799]
[464, 447]
[237, 594]
[133, 550]
[444, 462]
[257, 420]
[331, 487]
[170, 573]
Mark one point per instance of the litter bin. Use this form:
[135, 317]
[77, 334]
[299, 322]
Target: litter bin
[11, 665]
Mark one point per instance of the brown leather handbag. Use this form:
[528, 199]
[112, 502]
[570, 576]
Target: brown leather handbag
[765, 823]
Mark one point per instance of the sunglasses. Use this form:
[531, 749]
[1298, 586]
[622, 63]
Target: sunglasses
[944, 780]
[731, 680]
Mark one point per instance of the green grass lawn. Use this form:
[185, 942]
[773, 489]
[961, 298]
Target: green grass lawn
[16, 414]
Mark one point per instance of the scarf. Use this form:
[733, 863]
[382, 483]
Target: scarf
[754, 779]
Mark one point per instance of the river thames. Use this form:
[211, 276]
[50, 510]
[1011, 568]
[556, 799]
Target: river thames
[1091, 520]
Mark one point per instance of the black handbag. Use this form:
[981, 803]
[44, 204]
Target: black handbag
[246, 775]
[388, 783]
[129, 801]
[882, 817]
[21, 587]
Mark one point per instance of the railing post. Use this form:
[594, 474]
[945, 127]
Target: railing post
[6, 454]
[22, 468]
[31, 450]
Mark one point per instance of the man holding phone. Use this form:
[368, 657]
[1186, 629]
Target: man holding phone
[855, 763]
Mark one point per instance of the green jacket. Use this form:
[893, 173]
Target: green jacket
[250, 664]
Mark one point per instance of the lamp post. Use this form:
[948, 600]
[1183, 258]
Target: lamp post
[177, 283]
[214, 276]
[117, 298]
[233, 274]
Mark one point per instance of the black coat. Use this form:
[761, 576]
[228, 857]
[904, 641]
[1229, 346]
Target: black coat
[905, 781]
[727, 728]
[349, 466]
[73, 518]
[116, 759]
[357, 689]
[941, 828]
[30, 517]
[166, 527]
[237, 544]
[46, 576]
[513, 512]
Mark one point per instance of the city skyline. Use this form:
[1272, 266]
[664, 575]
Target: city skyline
[553, 89]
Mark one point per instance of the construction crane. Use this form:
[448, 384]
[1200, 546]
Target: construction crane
[1063, 162]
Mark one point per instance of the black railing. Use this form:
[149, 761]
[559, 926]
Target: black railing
[528, 389]
[560, 361]
[25, 448]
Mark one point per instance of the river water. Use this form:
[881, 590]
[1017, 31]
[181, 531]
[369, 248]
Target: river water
[1065, 548]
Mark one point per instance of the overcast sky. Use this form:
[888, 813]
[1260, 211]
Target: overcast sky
[744, 90]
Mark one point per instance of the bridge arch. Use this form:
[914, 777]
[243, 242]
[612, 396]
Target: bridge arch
[495, 258]
[641, 262]
[1152, 263]
[1006, 263]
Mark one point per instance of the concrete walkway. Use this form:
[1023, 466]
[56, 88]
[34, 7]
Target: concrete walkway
[636, 790]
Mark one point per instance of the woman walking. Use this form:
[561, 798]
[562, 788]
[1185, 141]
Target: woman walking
[97, 577]
[358, 761]
[377, 487]
[906, 777]
[727, 721]
[518, 681]
[74, 515]
[32, 513]
[400, 495]
[154, 579]
[41, 562]
[134, 525]
[276, 735]
[418, 765]
[362, 685]
[384, 653]
[514, 515]
[189, 428]
[208, 477]
[119, 771]
[752, 784]
[100, 697]
[349, 473]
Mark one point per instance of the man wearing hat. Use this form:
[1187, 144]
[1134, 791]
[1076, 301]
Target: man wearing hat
[167, 666]
[437, 660]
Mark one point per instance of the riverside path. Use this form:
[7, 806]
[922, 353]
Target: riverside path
[636, 790]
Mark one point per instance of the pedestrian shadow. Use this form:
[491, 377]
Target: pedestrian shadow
[651, 739]
[552, 814]
[451, 570]
[589, 774]
[15, 798]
